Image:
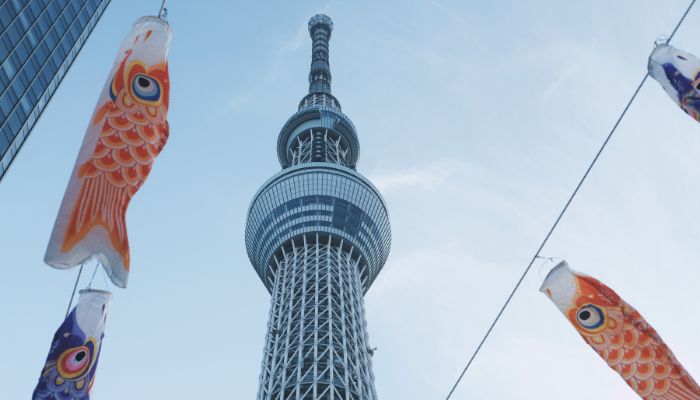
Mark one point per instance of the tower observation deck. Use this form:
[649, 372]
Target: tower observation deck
[318, 235]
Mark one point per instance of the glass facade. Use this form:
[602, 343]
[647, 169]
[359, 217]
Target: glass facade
[322, 198]
[326, 129]
[40, 39]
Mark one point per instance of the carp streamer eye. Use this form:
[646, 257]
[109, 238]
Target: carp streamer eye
[146, 88]
[590, 317]
[73, 362]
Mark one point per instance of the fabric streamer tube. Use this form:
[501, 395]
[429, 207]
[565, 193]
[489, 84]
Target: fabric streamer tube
[69, 371]
[678, 72]
[126, 133]
[620, 335]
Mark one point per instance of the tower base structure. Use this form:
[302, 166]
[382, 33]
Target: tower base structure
[317, 344]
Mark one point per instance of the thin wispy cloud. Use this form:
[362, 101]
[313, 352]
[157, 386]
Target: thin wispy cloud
[425, 177]
[272, 71]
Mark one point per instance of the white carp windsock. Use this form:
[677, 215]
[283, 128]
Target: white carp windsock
[126, 133]
[69, 371]
[620, 335]
[678, 73]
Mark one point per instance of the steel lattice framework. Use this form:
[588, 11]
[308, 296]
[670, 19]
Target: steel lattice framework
[318, 235]
[316, 341]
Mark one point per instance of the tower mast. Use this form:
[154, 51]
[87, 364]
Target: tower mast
[318, 235]
[320, 28]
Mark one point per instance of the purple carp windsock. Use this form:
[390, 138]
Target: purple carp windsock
[620, 335]
[127, 131]
[69, 372]
[678, 73]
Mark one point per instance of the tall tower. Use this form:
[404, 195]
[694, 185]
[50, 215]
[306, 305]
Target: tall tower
[317, 234]
[39, 41]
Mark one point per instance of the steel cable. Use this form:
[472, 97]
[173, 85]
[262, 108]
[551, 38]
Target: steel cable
[563, 211]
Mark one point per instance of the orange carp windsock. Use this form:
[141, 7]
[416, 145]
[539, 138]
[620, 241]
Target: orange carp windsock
[127, 131]
[620, 335]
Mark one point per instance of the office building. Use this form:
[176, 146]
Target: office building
[40, 39]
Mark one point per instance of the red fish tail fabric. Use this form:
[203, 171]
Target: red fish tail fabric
[69, 372]
[126, 133]
[620, 335]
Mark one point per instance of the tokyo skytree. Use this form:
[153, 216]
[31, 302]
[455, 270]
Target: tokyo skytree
[317, 234]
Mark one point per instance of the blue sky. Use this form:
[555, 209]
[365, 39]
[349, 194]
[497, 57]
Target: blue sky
[476, 120]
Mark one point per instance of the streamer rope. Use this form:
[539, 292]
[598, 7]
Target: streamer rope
[563, 211]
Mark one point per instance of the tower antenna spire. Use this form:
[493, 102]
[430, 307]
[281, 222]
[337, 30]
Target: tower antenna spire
[320, 29]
